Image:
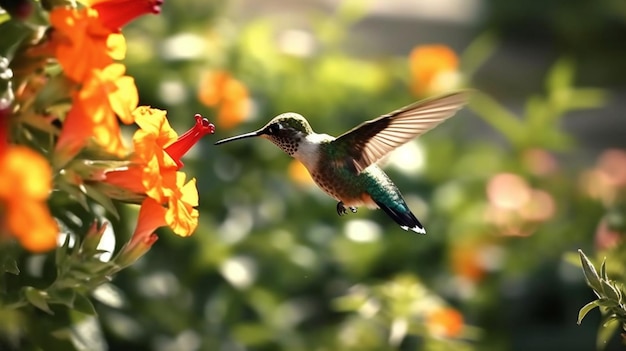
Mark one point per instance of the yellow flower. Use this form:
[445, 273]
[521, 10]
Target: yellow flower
[434, 69]
[155, 165]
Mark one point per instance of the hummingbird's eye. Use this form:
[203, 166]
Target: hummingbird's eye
[274, 128]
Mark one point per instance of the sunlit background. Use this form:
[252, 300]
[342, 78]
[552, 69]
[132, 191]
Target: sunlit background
[508, 189]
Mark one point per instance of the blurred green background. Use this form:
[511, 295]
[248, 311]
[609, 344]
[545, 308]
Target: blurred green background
[503, 188]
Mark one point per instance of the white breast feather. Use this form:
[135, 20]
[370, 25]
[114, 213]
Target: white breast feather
[308, 150]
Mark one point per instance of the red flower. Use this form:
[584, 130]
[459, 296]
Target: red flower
[177, 149]
[115, 14]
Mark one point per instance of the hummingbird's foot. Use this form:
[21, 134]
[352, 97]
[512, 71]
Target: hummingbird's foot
[341, 209]
[353, 209]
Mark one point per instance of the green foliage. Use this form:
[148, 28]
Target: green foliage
[610, 300]
[271, 266]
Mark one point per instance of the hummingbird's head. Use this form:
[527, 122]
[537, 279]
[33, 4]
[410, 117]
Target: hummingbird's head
[285, 130]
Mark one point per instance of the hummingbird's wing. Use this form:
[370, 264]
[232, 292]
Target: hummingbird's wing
[372, 140]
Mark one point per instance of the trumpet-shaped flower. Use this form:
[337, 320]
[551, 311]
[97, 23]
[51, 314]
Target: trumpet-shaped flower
[106, 93]
[114, 14]
[90, 38]
[82, 43]
[155, 164]
[151, 217]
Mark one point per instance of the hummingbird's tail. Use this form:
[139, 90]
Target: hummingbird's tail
[406, 219]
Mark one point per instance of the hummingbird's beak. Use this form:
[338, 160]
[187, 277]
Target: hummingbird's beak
[242, 136]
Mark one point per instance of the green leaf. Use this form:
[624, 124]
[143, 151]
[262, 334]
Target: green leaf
[590, 272]
[498, 117]
[586, 98]
[60, 256]
[83, 304]
[102, 199]
[603, 270]
[74, 192]
[252, 334]
[583, 311]
[610, 291]
[9, 265]
[37, 298]
[79, 273]
[63, 296]
[13, 33]
[561, 75]
[606, 332]
[608, 303]
[477, 53]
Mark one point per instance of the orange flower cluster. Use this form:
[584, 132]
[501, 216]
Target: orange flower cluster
[434, 69]
[25, 183]
[86, 42]
[445, 322]
[154, 171]
[220, 89]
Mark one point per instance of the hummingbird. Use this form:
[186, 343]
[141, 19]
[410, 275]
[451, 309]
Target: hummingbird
[346, 167]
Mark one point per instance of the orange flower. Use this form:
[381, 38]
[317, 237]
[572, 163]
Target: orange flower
[434, 69]
[221, 89]
[445, 323]
[465, 261]
[82, 43]
[89, 38]
[299, 174]
[151, 216]
[105, 94]
[155, 165]
[25, 183]
[153, 170]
